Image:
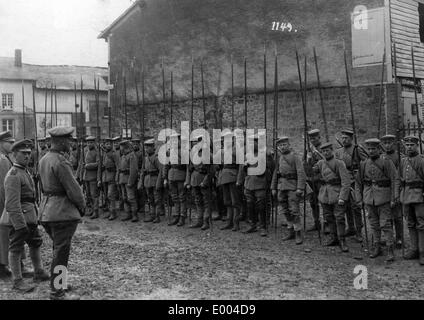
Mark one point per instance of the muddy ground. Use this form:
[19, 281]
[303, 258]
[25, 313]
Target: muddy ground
[124, 260]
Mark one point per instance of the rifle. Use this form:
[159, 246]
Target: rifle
[265, 126]
[55, 105]
[398, 133]
[164, 116]
[45, 112]
[191, 125]
[416, 100]
[356, 141]
[232, 93]
[125, 106]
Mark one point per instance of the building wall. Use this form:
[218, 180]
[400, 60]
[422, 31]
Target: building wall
[65, 105]
[220, 31]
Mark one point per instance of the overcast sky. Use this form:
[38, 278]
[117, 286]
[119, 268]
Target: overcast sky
[57, 31]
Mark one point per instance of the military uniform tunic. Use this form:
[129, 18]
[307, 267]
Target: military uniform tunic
[5, 165]
[128, 172]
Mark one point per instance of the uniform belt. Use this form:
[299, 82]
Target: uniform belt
[202, 171]
[413, 184]
[153, 173]
[333, 182]
[379, 183]
[27, 200]
[289, 176]
[55, 194]
[124, 171]
[178, 166]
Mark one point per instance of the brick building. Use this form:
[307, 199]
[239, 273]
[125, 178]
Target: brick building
[51, 88]
[152, 35]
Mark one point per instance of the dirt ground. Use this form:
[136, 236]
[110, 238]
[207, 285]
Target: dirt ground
[124, 260]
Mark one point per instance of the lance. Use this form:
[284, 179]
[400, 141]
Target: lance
[398, 132]
[51, 106]
[23, 107]
[125, 105]
[356, 139]
[115, 105]
[138, 105]
[81, 113]
[416, 99]
[232, 93]
[75, 105]
[45, 112]
[380, 103]
[55, 105]
[321, 98]
[163, 93]
[265, 126]
[191, 124]
[245, 93]
[172, 97]
[97, 112]
[35, 173]
[275, 128]
[142, 107]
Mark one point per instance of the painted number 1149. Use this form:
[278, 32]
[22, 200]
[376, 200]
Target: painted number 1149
[282, 26]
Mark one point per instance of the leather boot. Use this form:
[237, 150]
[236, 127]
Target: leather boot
[148, 219]
[134, 216]
[299, 237]
[421, 246]
[198, 224]
[127, 216]
[412, 252]
[4, 272]
[350, 232]
[95, 214]
[230, 217]
[22, 286]
[290, 235]
[174, 221]
[326, 228]
[112, 215]
[181, 222]
[314, 227]
[358, 237]
[390, 254]
[39, 273]
[343, 245]
[157, 219]
[236, 220]
[398, 233]
[331, 241]
[376, 250]
[205, 225]
[252, 228]
[62, 295]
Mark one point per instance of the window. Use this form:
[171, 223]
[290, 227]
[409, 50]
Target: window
[7, 100]
[413, 109]
[421, 19]
[7, 125]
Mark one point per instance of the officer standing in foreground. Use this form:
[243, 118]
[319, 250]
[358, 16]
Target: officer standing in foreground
[20, 216]
[411, 197]
[62, 206]
[377, 186]
[289, 179]
[390, 153]
[333, 195]
[6, 141]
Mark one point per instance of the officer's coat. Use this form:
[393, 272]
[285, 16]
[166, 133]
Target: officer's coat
[109, 170]
[91, 160]
[5, 165]
[412, 171]
[57, 178]
[128, 168]
[289, 164]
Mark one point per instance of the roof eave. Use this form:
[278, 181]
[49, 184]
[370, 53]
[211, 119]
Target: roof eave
[106, 32]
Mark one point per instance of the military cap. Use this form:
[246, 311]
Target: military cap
[388, 137]
[117, 138]
[125, 143]
[347, 132]
[149, 142]
[175, 134]
[42, 139]
[136, 140]
[313, 132]
[109, 140]
[148, 137]
[372, 142]
[24, 145]
[327, 145]
[6, 136]
[90, 138]
[283, 139]
[60, 131]
[412, 139]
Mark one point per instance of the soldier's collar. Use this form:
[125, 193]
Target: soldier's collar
[330, 158]
[19, 166]
[390, 151]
